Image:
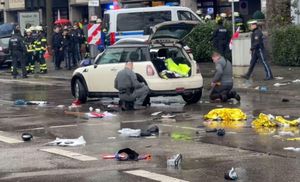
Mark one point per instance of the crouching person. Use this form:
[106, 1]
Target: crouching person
[132, 93]
[222, 82]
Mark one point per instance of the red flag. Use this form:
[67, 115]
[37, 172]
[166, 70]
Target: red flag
[234, 36]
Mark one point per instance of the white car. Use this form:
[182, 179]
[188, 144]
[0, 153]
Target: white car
[97, 80]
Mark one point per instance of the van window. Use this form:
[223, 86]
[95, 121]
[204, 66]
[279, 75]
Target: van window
[186, 15]
[106, 21]
[141, 20]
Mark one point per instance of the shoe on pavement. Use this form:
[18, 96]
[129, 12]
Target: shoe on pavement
[238, 97]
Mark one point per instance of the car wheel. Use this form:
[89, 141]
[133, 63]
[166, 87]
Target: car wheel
[192, 98]
[80, 91]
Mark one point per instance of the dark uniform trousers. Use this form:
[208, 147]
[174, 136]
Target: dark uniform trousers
[17, 56]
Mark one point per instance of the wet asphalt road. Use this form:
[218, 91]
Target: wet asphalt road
[256, 155]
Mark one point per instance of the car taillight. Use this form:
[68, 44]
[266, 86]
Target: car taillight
[150, 70]
[112, 38]
[198, 69]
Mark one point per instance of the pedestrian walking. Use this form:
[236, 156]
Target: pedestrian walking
[222, 82]
[257, 52]
[221, 38]
[29, 43]
[67, 49]
[17, 49]
[130, 89]
[57, 47]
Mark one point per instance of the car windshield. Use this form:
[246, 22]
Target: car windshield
[122, 55]
[176, 31]
[4, 42]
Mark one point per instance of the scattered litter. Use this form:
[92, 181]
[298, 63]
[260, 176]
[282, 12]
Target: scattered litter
[221, 132]
[292, 149]
[287, 116]
[206, 102]
[293, 139]
[166, 116]
[263, 88]
[276, 136]
[211, 130]
[285, 100]
[231, 175]
[151, 131]
[286, 133]
[156, 113]
[175, 160]
[76, 103]
[108, 114]
[151, 137]
[180, 136]
[98, 110]
[61, 106]
[26, 137]
[128, 154]
[94, 115]
[296, 81]
[227, 114]
[91, 109]
[128, 132]
[264, 120]
[111, 138]
[68, 142]
[290, 69]
[278, 78]
[21, 102]
[256, 88]
[219, 106]
[113, 106]
[280, 84]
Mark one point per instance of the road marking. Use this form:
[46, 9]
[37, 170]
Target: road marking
[9, 140]
[154, 176]
[69, 154]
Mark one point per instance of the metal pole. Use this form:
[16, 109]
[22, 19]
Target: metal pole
[232, 15]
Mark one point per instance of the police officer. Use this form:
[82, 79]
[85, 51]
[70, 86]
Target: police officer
[57, 47]
[29, 43]
[17, 49]
[220, 38]
[257, 52]
[77, 39]
[67, 49]
[40, 45]
[130, 89]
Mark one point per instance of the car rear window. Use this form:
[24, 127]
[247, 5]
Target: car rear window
[141, 20]
[4, 42]
[122, 55]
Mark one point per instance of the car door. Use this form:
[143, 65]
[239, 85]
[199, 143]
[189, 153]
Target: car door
[100, 76]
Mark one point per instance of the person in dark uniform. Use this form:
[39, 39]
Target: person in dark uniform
[17, 49]
[57, 47]
[77, 39]
[221, 38]
[67, 49]
[130, 89]
[222, 82]
[257, 52]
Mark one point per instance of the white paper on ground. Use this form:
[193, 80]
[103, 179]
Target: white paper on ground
[280, 84]
[279, 78]
[292, 149]
[296, 81]
[108, 114]
[130, 132]
[68, 142]
[286, 133]
[156, 113]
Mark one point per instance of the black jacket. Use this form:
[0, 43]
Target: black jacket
[257, 39]
[77, 36]
[67, 43]
[57, 41]
[220, 35]
[16, 44]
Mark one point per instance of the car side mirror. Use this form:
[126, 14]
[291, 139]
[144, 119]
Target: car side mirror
[95, 66]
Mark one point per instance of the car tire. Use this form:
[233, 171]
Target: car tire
[80, 91]
[192, 98]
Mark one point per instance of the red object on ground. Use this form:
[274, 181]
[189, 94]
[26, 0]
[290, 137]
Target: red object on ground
[76, 102]
[62, 21]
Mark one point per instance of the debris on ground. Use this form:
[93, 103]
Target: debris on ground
[264, 120]
[220, 132]
[151, 131]
[68, 142]
[75, 104]
[175, 160]
[167, 116]
[292, 149]
[180, 136]
[286, 133]
[285, 100]
[60, 106]
[280, 84]
[156, 113]
[27, 137]
[262, 88]
[296, 81]
[214, 130]
[86, 115]
[128, 132]
[22, 102]
[226, 114]
[293, 139]
[231, 175]
[128, 154]
[279, 78]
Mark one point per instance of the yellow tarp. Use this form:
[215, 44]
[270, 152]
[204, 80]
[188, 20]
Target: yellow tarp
[226, 114]
[264, 120]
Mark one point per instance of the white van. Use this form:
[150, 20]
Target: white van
[136, 22]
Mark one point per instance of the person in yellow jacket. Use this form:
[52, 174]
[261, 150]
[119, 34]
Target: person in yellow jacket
[29, 40]
[40, 45]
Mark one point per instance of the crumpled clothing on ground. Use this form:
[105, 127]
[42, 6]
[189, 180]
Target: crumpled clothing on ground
[226, 114]
[264, 120]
